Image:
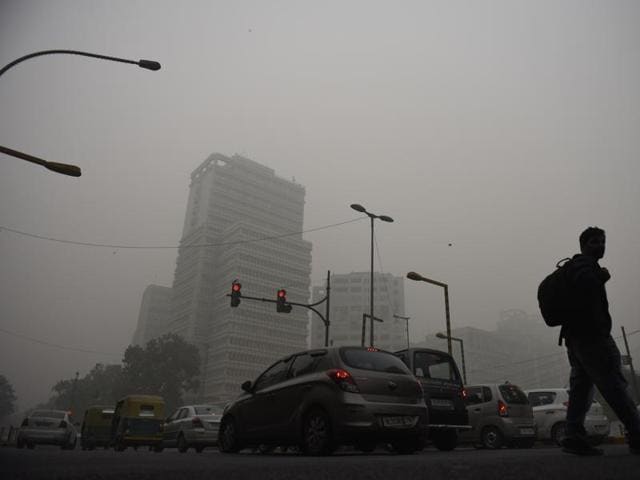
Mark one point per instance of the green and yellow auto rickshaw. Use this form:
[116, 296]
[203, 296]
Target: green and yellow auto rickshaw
[96, 427]
[137, 421]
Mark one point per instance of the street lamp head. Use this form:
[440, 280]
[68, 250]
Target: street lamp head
[63, 168]
[384, 218]
[149, 65]
[441, 335]
[358, 208]
[414, 276]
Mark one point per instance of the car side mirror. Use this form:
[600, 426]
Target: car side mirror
[246, 386]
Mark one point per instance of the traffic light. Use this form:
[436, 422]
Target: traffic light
[282, 306]
[235, 294]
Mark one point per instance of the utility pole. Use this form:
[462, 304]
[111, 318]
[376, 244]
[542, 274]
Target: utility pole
[406, 319]
[634, 382]
[73, 392]
[364, 326]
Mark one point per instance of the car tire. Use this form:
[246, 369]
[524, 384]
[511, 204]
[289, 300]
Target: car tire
[317, 438]
[228, 440]
[597, 440]
[445, 440]
[558, 433]
[492, 438]
[183, 446]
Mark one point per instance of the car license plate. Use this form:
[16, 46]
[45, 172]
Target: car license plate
[405, 421]
[526, 431]
[442, 403]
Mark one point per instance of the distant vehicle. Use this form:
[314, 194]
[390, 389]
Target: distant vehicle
[192, 426]
[321, 399]
[47, 427]
[444, 394]
[96, 427]
[550, 412]
[500, 416]
[137, 420]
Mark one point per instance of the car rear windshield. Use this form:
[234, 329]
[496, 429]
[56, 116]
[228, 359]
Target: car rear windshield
[48, 414]
[541, 398]
[432, 365]
[370, 359]
[208, 410]
[513, 394]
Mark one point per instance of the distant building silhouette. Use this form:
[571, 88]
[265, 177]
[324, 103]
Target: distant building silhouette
[350, 298]
[153, 318]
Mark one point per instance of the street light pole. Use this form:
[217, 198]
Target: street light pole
[419, 278]
[406, 319]
[63, 168]
[359, 208]
[464, 369]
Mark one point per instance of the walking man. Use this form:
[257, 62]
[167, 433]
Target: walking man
[593, 354]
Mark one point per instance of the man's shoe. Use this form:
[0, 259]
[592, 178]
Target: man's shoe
[579, 446]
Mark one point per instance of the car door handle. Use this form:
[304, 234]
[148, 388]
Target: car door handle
[477, 409]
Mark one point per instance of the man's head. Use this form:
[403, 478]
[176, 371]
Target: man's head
[592, 242]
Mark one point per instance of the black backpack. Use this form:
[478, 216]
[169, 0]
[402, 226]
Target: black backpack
[555, 297]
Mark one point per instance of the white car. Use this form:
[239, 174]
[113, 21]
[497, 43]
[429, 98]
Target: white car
[192, 426]
[47, 427]
[550, 412]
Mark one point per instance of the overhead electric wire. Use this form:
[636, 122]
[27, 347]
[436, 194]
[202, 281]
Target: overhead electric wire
[160, 247]
[55, 345]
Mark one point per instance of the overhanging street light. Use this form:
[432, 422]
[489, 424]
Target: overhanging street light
[359, 208]
[63, 168]
[419, 278]
[464, 370]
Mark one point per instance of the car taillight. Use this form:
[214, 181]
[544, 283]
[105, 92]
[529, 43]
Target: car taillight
[503, 411]
[463, 394]
[25, 422]
[197, 423]
[63, 424]
[343, 379]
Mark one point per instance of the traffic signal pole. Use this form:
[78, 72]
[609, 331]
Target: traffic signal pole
[325, 319]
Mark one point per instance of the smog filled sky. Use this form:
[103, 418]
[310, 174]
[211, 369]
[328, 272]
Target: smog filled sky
[492, 132]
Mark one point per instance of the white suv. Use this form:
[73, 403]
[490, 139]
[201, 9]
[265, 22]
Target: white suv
[550, 412]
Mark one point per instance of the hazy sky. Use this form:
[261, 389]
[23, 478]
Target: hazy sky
[501, 127]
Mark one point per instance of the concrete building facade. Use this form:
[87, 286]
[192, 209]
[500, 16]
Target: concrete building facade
[350, 298]
[242, 223]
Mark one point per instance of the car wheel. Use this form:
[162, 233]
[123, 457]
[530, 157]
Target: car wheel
[445, 440]
[492, 438]
[183, 446]
[316, 433]
[597, 440]
[228, 441]
[558, 433]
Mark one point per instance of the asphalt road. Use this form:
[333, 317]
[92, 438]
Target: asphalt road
[465, 463]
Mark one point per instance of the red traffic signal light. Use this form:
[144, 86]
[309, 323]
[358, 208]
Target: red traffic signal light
[281, 304]
[235, 294]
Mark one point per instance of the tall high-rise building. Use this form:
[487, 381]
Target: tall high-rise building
[350, 298]
[153, 318]
[242, 222]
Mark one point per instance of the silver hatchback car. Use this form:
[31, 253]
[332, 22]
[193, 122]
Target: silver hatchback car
[321, 399]
[47, 427]
[500, 415]
[191, 426]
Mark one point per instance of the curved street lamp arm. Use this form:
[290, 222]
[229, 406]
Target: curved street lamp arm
[148, 64]
[63, 168]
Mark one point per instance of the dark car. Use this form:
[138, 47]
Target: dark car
[444, 394]
[321, 399]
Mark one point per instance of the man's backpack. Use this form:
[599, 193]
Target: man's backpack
[555, 295]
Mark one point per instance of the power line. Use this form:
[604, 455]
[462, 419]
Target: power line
[55, 345]
[160, 247]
